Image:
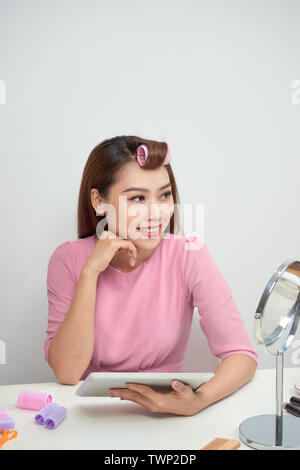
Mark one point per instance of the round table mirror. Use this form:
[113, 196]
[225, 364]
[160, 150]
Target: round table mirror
[275, 324]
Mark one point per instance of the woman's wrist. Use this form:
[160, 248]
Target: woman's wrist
[232, 373]
[204, 397]
[89, 271]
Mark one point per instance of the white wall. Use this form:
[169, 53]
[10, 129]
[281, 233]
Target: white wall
[212, 78]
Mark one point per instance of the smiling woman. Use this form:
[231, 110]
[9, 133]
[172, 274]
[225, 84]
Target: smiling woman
[112, 172]
[122, 300]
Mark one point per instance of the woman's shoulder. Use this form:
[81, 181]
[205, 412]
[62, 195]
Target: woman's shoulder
[72, 253]
[75, 245]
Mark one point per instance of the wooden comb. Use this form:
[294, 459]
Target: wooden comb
[220, 443]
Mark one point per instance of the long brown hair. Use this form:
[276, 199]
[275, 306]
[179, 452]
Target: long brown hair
[102, 170]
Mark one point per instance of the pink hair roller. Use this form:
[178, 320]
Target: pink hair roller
[3, 414]
[142, 155]
[33, 400]
[168, 157]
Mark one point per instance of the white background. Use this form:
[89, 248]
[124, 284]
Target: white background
[212, 78]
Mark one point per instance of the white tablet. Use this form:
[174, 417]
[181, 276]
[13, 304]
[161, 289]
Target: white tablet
[97, 384]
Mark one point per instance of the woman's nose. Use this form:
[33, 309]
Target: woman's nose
[154, 211]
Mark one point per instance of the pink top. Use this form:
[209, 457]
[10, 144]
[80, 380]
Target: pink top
[143, 318]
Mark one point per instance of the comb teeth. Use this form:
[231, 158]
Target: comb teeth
[220, 443]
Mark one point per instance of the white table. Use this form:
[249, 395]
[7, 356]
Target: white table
[109, 423]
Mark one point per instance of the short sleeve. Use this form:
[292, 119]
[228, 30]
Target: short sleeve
[61, 285]
[208, 290]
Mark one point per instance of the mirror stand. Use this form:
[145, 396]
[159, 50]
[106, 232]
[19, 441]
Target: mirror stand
[274, 431]
[278, 312]
[279, 399]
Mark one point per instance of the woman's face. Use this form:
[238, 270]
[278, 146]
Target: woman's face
[130, 212]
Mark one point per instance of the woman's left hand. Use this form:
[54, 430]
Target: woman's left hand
[181, 401]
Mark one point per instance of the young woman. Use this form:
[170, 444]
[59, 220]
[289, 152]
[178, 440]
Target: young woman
[121, 298]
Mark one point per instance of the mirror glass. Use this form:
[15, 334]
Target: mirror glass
[277, 321]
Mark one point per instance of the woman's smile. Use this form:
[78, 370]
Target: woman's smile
[151, 231]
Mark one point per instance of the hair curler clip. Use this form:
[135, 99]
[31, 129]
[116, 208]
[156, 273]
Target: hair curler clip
[3, 414]
[142, 155]
[7, 436]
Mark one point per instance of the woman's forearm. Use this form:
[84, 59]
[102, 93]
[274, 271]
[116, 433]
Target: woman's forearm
[72, 346]
[232, 373]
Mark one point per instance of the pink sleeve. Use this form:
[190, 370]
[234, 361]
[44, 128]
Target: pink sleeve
[208, 290]
[61, 285]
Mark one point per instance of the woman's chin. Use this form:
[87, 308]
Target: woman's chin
[148, 243]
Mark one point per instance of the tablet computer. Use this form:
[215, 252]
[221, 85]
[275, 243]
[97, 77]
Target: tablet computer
[97, 384]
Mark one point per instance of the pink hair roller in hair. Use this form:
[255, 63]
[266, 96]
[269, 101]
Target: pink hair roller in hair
[142, 155]
[3, 414]
[33, 400]
[168, 157]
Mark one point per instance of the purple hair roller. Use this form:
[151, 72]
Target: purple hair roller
[56, 417]
[43, 414]
[6, 423]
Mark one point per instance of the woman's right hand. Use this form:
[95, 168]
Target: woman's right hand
[105, 249]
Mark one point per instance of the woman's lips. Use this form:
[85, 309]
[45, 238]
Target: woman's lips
[151, 233]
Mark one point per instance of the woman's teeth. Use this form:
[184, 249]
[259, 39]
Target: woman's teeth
[150, 230]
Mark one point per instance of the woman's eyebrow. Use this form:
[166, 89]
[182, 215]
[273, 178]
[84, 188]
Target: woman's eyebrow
[144, 189]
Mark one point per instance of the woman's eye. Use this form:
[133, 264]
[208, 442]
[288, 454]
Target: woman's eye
[167, 194]
[133, 198]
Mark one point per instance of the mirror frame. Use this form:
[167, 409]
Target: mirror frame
[293, 315]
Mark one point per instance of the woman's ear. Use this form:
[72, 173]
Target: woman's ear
[96, 201]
